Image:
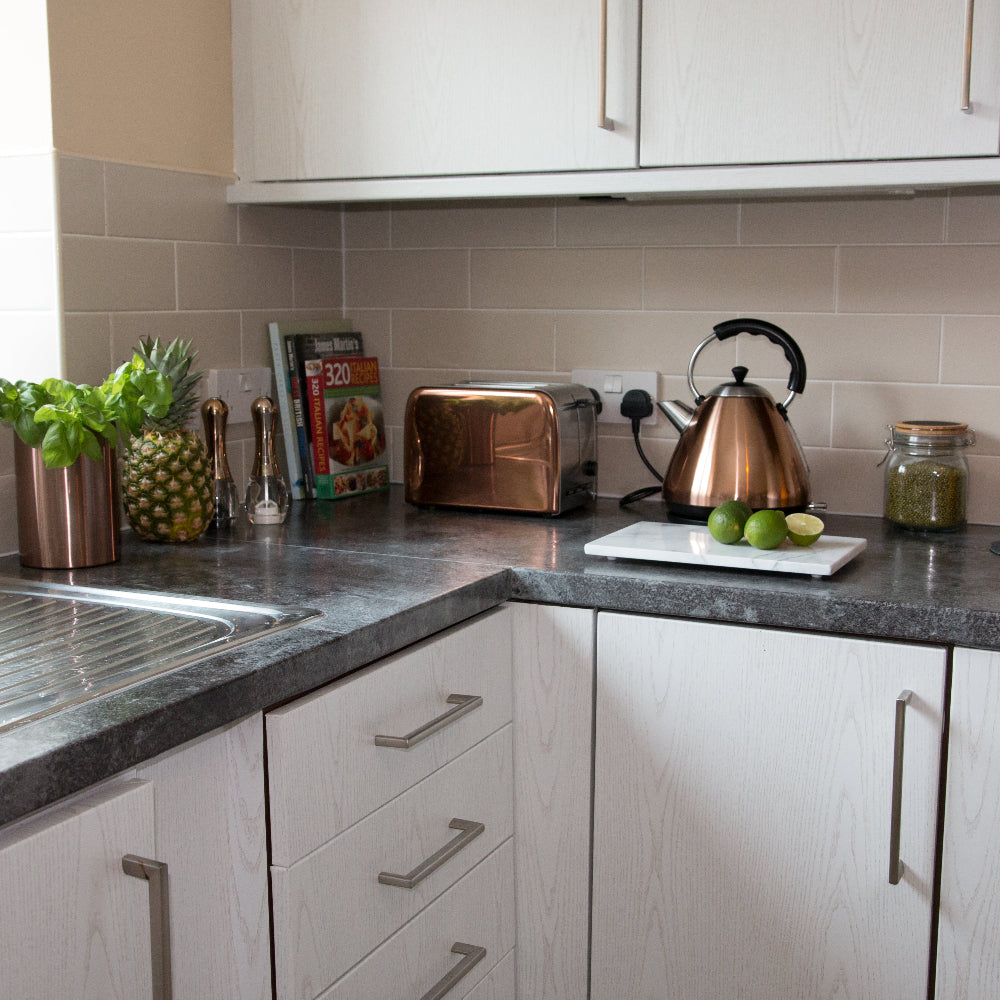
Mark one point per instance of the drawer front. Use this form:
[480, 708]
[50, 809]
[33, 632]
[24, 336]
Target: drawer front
[325, 769]
[477, 911]
[317, 938]
[500, 984]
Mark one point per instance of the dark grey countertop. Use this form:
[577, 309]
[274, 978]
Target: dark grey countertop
[386, 574]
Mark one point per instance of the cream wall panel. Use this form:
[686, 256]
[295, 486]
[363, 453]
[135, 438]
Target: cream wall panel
[825, 221]
[475, 224]
[697, 223]
[432, 279]
[493, 339]
[557, 279]
[143, 82]
[740, 280]
[932, 279]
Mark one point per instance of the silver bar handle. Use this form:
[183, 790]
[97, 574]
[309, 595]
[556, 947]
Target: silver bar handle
[473, 955]
[155, 873]
[469, 831]
[603, 121]
[967, 59]
[464, 703]
[895, 865]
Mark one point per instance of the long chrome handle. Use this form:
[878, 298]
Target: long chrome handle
[464, 703]
[895, 865]
[473, 955]
[603, 121]
[470, 830]
[155, 873]
[967, 59]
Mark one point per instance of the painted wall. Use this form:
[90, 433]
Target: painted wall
[143, 81]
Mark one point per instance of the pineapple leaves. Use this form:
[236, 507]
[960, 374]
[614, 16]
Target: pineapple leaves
[67, 420]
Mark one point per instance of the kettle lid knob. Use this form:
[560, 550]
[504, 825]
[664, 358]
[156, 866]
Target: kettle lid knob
[740, 373]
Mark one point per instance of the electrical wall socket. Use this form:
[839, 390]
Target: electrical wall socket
[237, 388]
[612, 386]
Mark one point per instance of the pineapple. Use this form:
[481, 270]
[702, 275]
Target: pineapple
[166, 473]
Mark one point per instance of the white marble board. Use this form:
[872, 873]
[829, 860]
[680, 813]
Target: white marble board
[684, 543]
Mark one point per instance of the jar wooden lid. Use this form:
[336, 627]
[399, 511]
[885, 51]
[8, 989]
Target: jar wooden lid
[929, 427]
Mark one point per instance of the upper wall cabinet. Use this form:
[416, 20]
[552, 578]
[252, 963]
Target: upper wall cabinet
[343, 100]
[384, 88]
[787, 81]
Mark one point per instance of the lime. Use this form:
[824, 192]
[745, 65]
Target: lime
[766, 529]
[725, 523]
[804, 529]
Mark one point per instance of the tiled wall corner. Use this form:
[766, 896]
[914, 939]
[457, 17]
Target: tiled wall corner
[161, 253]
[894, 302]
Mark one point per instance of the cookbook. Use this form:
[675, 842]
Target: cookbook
[343, 402]
[292, 343]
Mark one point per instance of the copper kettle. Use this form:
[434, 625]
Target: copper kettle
[737, 443]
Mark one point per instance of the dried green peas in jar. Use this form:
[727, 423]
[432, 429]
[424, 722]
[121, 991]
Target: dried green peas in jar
[927, 474]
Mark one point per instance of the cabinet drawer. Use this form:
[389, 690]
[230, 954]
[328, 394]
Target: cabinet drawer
[317, 938]
[326, 771]
[500, 984]
[478, 911]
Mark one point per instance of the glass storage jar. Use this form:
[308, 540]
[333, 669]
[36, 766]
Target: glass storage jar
[927, 474]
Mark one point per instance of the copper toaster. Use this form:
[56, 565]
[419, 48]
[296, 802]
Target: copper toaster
[529, 447]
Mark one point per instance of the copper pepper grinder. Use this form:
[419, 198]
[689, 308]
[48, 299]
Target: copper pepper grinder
[267, 497]
[214, 414]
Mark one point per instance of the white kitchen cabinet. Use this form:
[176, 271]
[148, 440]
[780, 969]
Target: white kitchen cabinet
[787, 81]
[211, 832]
[317, 939]
[327, 740]
[343, 89]
[391, 807]
[553, 718]
[742, 813]
[343, 101]
[73, 923]
[477, 912]
[78, 926]
[968, 962]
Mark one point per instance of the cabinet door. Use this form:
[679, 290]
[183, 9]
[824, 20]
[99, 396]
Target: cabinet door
[73, 924]
[384, 88]
[742, 813]
[211, 832]
[968, 963]
[553, 719]
[792, 81]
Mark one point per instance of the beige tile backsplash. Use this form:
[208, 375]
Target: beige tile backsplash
[894, 301]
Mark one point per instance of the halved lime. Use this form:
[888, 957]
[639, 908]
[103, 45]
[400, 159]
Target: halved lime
[804, 529]
[725, 523]
[766, 529]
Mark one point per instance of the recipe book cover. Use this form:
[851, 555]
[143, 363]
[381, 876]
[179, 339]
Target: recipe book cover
[291, 344]
[344, 403]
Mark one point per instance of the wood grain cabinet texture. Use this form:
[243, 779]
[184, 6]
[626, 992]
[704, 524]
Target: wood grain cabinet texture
[334, 91]
[553, 719]
[345, 809]
[73, 924]
[968, 965]
[743, 794]
[77, 926]
[788, 82]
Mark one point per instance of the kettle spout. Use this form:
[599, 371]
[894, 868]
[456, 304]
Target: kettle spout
[678, 413]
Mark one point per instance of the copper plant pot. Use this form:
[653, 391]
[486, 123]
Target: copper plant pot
[67, 518]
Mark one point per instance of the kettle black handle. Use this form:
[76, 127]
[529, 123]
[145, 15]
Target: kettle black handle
[733, 327]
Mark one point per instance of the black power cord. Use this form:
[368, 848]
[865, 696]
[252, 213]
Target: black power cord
[636, 404]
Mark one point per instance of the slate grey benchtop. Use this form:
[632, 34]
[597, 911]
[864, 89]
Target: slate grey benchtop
[386, 574]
